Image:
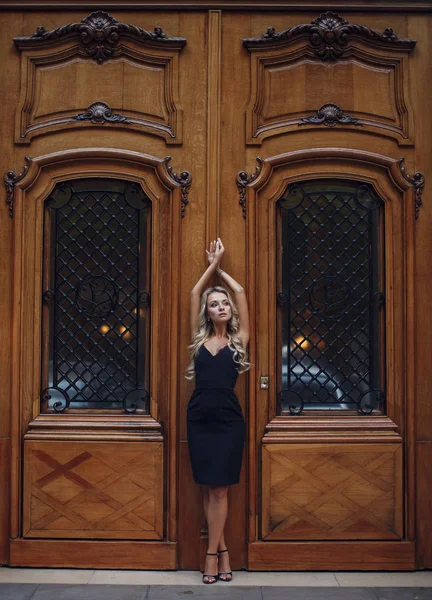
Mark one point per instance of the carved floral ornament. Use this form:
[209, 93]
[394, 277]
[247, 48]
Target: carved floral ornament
[417, 181]
[329, 35]
[182, 180]
[99, 33]
[243, 179]
[10, 180]
[330, 114]
[100, 113]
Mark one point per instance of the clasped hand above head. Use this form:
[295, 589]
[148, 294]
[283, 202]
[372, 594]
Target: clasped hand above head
[215, 252]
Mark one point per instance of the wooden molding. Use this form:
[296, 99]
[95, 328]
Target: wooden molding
[214, 52]
[228, 5]
[103, 554]
[282, 61]
[95, 427]
[324, 428]
[53, 60]
[320, 556]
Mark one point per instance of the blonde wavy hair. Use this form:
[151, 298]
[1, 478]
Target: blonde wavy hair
[206, 331]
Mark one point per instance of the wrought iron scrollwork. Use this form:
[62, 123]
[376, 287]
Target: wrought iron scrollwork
[96, 296]
[292, 198]
[60, 399]
[329, 301]
[282, 299]
[144, 299]
[136, 399]
[48, 297]
[10, 180]
[370, 400]
[135, 196]
[95, 317]
[378, 298]
[292, 400]
[329, 296]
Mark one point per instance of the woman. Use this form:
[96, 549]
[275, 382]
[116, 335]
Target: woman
[216, 428]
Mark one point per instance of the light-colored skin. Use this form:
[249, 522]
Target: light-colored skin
[219, 311]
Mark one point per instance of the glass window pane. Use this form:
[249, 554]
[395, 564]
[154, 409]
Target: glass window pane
[96, 318]
[330, 297]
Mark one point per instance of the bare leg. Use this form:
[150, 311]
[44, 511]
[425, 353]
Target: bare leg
[216, 510]
[222, 543]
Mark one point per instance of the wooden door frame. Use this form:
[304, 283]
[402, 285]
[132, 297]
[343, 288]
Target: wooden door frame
[159, 183]
[393, 186]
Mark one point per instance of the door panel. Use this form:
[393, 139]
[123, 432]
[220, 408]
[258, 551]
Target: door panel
[96, 473]
[332, 492]
[96, 490]
[315, 483]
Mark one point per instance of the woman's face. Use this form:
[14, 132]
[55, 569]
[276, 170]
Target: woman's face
[218, 307]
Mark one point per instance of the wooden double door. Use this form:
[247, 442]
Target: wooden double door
[108, 236]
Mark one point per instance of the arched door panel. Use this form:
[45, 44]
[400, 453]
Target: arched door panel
[329, 259]
[96, 236]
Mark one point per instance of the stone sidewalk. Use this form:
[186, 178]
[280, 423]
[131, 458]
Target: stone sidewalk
[26, 591]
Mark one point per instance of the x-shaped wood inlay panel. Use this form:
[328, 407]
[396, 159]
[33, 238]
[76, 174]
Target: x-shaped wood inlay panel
[332, 492]
[105, 490]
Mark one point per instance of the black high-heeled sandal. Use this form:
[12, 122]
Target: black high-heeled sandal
[227, 573]
[215, 577]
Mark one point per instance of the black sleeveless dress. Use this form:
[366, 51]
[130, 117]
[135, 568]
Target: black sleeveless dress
[215, 424]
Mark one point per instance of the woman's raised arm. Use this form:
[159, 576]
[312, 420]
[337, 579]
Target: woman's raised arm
[214, 257]
[240, 300]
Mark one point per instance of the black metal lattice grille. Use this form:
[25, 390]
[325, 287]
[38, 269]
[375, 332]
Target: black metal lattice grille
[330, 303]
[97, 302]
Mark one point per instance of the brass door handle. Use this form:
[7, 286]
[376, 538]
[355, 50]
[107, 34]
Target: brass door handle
[264, 382]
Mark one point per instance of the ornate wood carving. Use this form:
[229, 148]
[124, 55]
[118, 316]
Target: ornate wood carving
[10, 180]
[330, 114]
[329, 35]
[100, 113]
[243, 179]
[145, 79]
[333, 492]
[418, 181]
[326, 51]
[98, 34]
[184, 180]
[100, 490]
